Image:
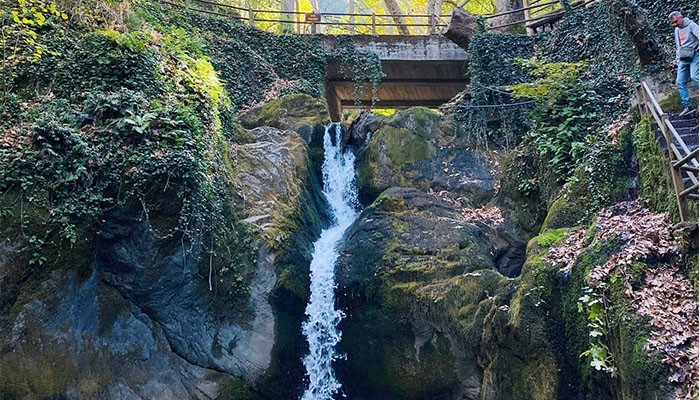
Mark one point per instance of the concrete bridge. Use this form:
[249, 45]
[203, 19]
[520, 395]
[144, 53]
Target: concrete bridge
[419, 71]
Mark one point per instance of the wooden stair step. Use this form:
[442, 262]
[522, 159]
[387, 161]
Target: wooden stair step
[683, 122]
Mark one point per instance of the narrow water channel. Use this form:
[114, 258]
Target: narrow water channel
[321, 325]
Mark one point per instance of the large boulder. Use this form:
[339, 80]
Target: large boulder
[301, 113]
[462, 27]
[136, 313]
[418, 280]
[411, 149]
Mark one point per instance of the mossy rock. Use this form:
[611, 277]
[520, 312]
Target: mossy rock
[525, 188]
[672, 101]
[236, 389]
[383, 360]
[397, 142]
[564, 212]
[298, 112]
[602, 180]
[516, 346]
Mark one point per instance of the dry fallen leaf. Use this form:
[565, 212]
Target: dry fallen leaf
[666, 297]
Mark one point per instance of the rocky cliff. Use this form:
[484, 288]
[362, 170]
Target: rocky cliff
[135, 315]
[157, 218]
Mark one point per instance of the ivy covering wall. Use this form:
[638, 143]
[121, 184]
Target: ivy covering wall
[135, 113]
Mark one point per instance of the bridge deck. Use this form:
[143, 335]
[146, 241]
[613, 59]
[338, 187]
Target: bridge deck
[419, 71]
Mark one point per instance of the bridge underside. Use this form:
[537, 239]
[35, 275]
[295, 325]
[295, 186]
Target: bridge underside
[407, 83]
[419, 71]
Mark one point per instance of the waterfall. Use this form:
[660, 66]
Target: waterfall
[320, 327]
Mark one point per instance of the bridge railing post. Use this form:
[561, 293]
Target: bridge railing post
[374, 24]
[251, 18]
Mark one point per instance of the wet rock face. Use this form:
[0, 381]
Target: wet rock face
[135, 319]
[167, 289]
[140, 326]
[270, 172]
[77, 337]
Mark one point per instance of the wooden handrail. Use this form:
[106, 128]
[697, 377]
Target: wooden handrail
[690, 190]
[679, 153]
[691, 156]
[530, 7]
[677, 137]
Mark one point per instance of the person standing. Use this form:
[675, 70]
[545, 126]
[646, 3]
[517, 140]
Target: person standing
[686, 36]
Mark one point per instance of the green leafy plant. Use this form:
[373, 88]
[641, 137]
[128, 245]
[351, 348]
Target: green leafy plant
[363, 68]
[140, 133]
[484, 118]
[138, 123]
[552, 79]
[597, 312]
[565, 118]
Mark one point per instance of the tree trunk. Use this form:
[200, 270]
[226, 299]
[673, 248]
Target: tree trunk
[505, 6]
[351, 11]
[288, 15]
[434, 11]
[636, 24]
[463, 26]
[395, 10]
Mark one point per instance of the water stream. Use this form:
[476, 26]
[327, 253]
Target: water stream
[320, 327]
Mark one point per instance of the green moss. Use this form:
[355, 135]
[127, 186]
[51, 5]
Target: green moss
[654, 172]
[525, 188]
[563, 213]
[672, 102]
[288, 112]
[600, 181]
[389, 203]
[641, 376]
[514, 379]
[381, 354]
[691, 270]
[407, 136]
[549, 238]
[236, 389]
[420, 121]
[404, 146]
[291, 281]
[49, 371]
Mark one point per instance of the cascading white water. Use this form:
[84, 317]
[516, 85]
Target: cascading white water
[320, 327]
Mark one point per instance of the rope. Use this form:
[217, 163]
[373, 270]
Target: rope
[522, 103]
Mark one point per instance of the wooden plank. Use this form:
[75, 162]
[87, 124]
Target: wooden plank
[650, 96]
[677, 138]
[689, 169]
[687, 158]
[690, 190]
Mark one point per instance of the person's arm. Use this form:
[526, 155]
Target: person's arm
[694, 30]
[678, 43]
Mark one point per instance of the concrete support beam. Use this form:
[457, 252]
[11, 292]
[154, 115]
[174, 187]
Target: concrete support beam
[419, 71]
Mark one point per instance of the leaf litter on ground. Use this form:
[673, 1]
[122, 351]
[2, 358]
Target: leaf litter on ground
[666, 299]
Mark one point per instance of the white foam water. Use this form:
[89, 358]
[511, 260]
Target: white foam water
[321, 325]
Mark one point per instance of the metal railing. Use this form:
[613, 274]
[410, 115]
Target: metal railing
[328, 23]
[684, 162]
[363, 23]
